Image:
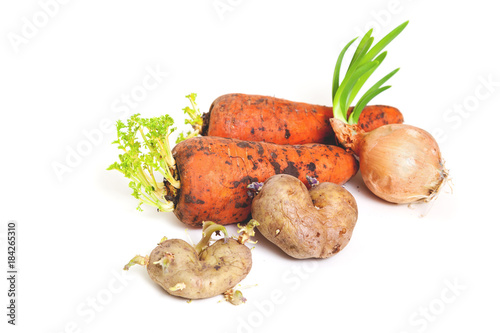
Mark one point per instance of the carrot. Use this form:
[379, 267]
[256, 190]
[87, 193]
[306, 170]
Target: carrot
[206, 178]
[270, 119]
[214, 173]
[375, 116]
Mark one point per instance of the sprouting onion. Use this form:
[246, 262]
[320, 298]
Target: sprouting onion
[364, 62]
[399, 163]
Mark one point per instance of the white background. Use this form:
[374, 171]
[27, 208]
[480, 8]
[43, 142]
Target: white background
[65, 78]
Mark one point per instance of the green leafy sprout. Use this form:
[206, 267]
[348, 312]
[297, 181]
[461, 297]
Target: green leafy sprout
[194, 119]
[364, 62]
[145, 151]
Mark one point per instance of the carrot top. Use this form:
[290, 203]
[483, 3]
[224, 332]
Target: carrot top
[364, 62]
[195, 119]
[145, 147]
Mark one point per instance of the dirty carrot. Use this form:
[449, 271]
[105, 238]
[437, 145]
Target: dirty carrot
[206, 178]
[374, 116]
[280, 121]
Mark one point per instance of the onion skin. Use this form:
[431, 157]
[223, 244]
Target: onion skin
[399, 163]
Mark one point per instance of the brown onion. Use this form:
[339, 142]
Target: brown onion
[399, 163]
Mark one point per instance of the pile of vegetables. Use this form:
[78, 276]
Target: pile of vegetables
[278, 164]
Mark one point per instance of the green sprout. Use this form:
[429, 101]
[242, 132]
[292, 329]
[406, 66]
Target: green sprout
[234, 296]
[209, 228]
[165, 261]
[145, 151]
[364, 62]
[137, 260]
[247, 231]
[195, 119]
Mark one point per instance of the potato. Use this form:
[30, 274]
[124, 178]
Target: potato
[203, 270]
[218, 268]
[305, 224]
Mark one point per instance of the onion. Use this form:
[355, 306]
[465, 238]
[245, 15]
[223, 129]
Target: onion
[399, 163]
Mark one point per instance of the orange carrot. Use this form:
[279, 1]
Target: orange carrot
[270, 119]
[374, 116]
[214, 173]
[206, 178]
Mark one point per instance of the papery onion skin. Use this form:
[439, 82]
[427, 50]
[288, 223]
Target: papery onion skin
[401, 163]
